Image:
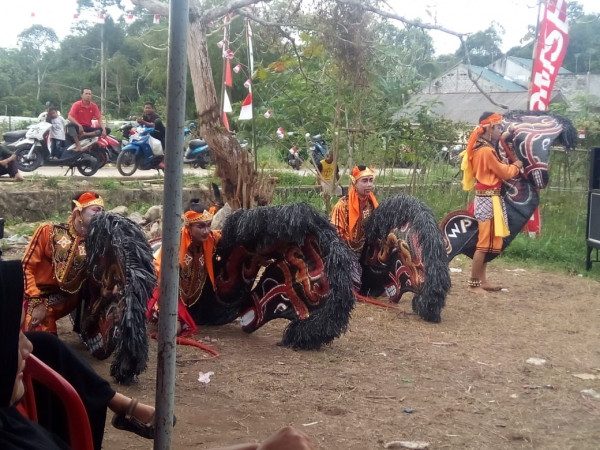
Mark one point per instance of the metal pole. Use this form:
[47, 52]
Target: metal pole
[172, 210]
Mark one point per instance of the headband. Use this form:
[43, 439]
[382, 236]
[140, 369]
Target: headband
[190, 217]
[88, 199]
[357, 174]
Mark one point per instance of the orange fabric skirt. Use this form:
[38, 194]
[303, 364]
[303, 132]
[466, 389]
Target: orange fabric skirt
[488, 242]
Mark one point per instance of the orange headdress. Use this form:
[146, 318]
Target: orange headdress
[88, 199]
[353, 200]
[468, 181]
[208, 246]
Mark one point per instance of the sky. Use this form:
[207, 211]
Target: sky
[463, 16]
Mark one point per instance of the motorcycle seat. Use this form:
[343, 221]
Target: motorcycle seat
[13, 136]
[195, 143]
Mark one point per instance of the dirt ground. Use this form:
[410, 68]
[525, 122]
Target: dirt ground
[463, 383]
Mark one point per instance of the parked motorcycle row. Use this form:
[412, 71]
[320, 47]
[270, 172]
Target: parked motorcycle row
[138, 149]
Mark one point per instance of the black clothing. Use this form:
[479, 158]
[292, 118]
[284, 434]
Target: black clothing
[159, 128]
[11, 169]
[95, 392]
[16, 432]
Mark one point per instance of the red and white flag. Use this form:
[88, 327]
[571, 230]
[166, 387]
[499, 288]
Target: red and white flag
[156, 19]
[550, 50]
[225, 121]
[226, 103]
[246, 112]
[129, 18]
[101, 17]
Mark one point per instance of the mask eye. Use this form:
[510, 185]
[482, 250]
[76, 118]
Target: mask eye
[281, 307]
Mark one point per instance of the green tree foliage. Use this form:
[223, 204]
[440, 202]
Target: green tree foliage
[483, 46]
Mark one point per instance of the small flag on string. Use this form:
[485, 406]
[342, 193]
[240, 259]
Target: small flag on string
[228, 78]
[156, 19]
[229, 54]
[101, 16]
[225, 121]
[75, 16]
[129, 18]
[248, 83]
[237, 68]
[32, 14]
[222, 43]
[280, 133]
[246, 112]
[226, 103]
[267, 114]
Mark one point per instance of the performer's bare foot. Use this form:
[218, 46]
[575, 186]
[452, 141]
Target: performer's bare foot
[475, 286]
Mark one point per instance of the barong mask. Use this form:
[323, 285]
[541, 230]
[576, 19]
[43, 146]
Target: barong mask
[285, 262]
[529, 140]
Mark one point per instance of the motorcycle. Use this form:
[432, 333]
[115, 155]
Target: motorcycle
[33, 151]
[317, 147]
[142, 152]
[197, 154]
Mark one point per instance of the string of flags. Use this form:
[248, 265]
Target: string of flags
[246, 110]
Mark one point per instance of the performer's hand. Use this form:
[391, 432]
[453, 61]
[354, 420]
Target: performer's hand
[288, 438]
[519, 164]
[38, 316]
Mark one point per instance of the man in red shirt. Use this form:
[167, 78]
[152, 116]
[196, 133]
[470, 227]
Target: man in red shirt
[80, 117]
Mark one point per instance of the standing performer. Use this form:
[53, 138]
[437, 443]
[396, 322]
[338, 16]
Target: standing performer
[351, 212]
[484, 170]
[54, 265]
[196, 272]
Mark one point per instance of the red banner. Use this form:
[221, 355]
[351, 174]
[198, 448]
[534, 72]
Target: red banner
[550, 50]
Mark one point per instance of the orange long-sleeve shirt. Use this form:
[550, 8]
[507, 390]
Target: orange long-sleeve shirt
[487, 167]
[39, 266]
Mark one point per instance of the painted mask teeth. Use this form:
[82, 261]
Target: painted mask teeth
[95, 343]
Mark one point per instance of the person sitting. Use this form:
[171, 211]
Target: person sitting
[196, 274]
[19, 433]
[352, 211]
[54, 265]
[150, 119]
[8, 164]
[81, 115]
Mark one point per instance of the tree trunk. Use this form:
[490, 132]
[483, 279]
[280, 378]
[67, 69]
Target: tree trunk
[233, 165]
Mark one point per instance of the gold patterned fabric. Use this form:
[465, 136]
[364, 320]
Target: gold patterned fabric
[192, 275]
[69, 256]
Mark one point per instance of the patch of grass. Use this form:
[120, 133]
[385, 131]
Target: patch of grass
[52, 182]
[109, 184]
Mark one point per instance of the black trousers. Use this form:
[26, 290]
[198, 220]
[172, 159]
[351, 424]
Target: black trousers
[95, 392]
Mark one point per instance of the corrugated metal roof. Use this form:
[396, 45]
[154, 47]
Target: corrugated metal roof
[468, 106]
[527, 63]
[497, 79]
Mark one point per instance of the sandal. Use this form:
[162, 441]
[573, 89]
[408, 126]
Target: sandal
[128, 422]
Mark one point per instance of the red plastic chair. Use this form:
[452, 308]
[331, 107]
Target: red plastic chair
[80, 433]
